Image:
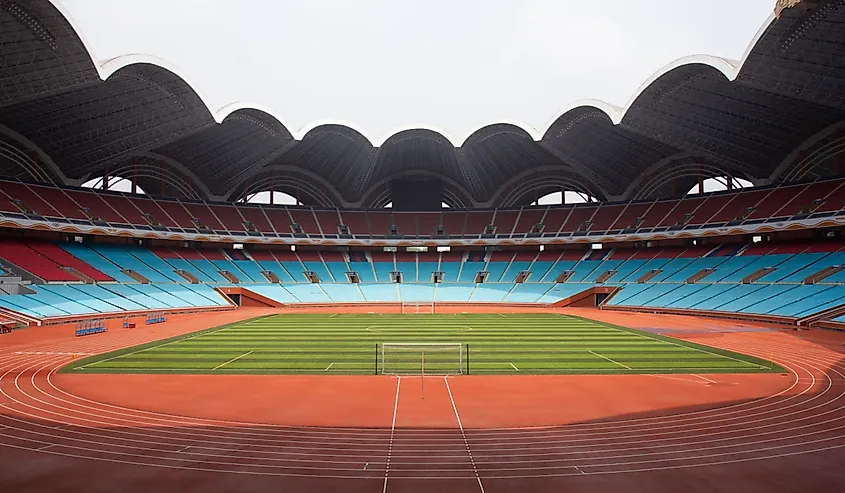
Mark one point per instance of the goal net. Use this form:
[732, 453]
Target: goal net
[417, 308]
[423, 358]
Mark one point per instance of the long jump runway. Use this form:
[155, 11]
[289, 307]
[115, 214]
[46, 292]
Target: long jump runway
[439, 434]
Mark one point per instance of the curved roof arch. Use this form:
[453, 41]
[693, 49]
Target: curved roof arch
[106, 68]
[604, 147]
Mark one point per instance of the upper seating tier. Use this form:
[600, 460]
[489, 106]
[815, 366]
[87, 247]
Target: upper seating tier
[737, 207]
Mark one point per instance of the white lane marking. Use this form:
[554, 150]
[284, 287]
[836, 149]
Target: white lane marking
[705, 379]
[463, 434]
[392, 431]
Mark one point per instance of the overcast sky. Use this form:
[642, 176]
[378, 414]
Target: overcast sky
[450, 64]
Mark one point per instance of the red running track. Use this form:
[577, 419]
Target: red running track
[133, 433]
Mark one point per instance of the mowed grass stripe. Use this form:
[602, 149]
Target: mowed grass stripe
[534, 343]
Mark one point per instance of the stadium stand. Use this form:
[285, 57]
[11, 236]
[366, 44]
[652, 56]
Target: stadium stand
[771, 250]
[734, 208]
[790, 280]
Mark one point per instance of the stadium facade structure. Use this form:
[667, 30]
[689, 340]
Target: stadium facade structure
[776, 118]
[772, 117]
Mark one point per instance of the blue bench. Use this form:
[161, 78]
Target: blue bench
[156, 318]
[89, 331]
[89, 327]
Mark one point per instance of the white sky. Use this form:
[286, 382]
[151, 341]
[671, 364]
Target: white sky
[450, 64]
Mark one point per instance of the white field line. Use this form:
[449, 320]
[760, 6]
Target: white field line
[612, 361]
[232, 360]
[330, 366]
[392, 431]
[683, 370]
[513, 365]
[463, 434]
[149, 348]
[716, 354]
[128, 354]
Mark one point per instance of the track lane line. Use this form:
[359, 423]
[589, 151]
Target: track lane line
[392, 432]
[463, 434]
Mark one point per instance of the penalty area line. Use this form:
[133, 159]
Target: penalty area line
[608, 359]
[231, 360]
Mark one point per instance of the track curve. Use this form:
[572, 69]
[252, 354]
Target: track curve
[806, 418]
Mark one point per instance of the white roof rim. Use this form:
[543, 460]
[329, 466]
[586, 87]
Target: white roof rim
[730, 69]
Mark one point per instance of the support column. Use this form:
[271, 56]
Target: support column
[802, 155]
[134, 175]
[106, 180]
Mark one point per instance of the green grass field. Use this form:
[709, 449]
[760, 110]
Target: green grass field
[350, 344]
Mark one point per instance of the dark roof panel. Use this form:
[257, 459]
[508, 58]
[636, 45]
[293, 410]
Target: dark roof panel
[698, 117]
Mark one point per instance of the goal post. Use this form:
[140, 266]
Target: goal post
[417, 307]
[422, 358]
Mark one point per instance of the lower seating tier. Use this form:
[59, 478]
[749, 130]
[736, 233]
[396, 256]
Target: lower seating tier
[62, 300]
[787, 300]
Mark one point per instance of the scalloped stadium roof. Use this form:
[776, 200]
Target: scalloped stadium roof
[776, 115]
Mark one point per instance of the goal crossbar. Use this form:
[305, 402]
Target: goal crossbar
[417, 307]
[422, 358]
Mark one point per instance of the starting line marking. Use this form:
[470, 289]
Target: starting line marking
[705, 379]
[612, 361]
[232, 360]
[697, 382]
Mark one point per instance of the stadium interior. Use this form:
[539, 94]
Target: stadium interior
[420, 221]
[463, 223]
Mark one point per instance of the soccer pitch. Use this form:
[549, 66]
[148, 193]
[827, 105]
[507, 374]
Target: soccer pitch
[486, 344]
